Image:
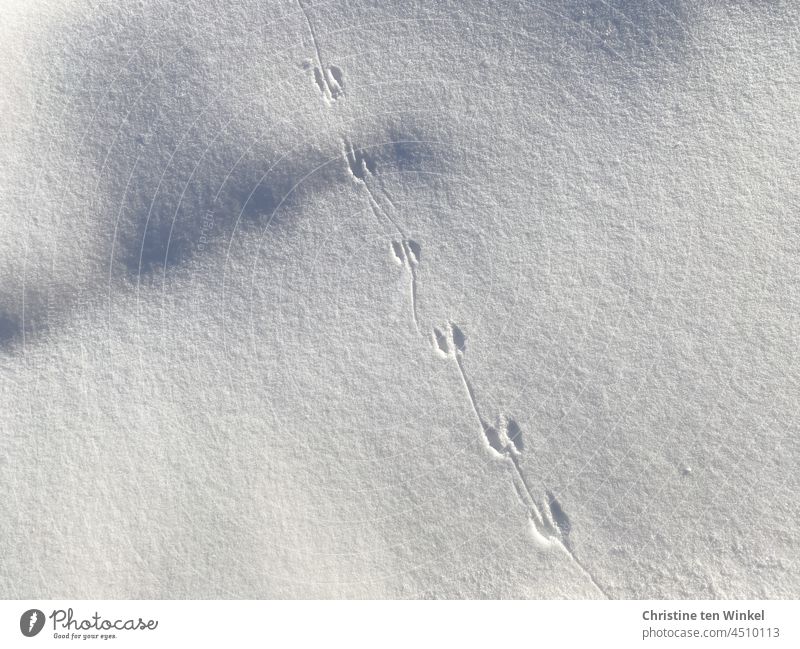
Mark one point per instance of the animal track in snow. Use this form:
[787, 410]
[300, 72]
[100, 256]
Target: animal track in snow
[329, 78]
[560, 519]
[459, 339]
[335, 81]
[360, 164]
[414, 251]
[400, 256]
[441, 341]
[363, 169]
[329, 81]
[407, 252]
[452, 342]
[504, 439]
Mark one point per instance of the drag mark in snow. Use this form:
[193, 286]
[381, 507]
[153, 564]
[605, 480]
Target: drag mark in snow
[329, 79]
[504, 440]
[407, 252]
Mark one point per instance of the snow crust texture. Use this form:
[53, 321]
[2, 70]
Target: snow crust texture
[359, 299]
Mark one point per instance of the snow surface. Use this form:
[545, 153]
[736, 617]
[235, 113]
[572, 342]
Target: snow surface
[370, 299]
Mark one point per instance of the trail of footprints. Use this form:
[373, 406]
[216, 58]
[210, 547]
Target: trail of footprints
[503, 435]
[504, 438]
[330, 81]
[407, 253]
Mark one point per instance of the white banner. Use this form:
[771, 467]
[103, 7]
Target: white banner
[401, 624]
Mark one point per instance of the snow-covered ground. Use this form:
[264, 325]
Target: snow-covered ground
[354, 298]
